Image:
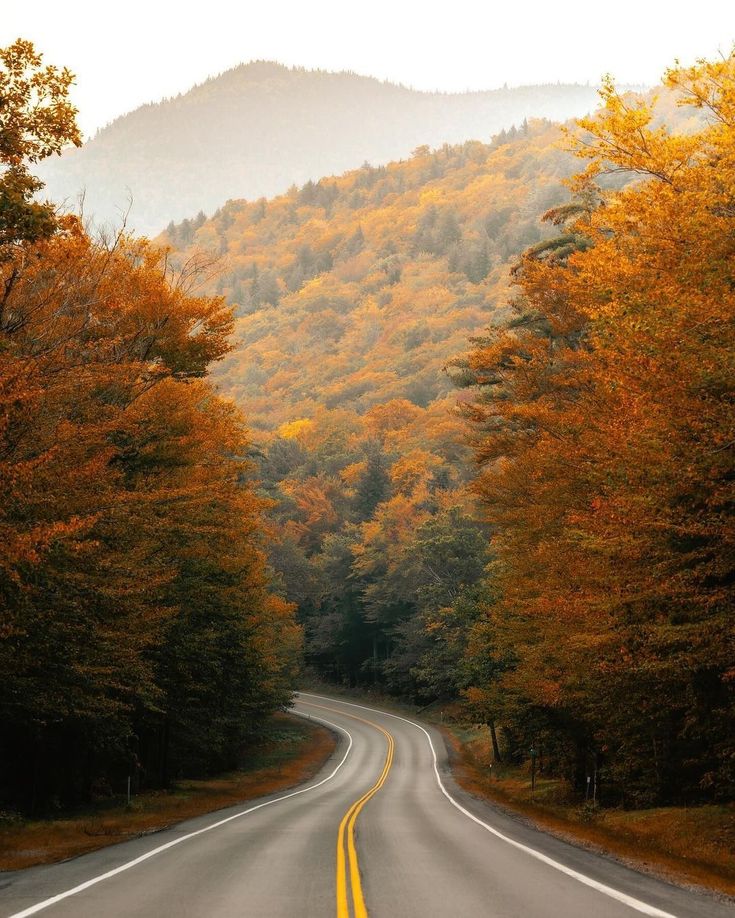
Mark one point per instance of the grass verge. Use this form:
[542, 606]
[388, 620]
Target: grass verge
[694, 846]
[294, 754]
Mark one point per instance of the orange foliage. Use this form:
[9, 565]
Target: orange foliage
[126, 516]
[605, 432]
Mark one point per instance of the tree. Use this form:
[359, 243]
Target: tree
[36, 120]
[116, 456]
[374, 484]
[604, 431]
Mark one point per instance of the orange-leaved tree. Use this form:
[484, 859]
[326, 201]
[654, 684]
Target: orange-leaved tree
[605, 431]
[137, 631]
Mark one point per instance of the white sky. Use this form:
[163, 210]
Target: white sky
[136, 51]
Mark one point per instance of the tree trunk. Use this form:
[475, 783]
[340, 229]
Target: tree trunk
[494, 736]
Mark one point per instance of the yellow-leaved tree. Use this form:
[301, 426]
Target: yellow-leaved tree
[137, 631]
[605, 430]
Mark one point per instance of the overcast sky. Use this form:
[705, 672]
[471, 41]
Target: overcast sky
[136, 51]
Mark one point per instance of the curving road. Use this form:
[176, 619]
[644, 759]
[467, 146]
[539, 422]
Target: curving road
[381, 831]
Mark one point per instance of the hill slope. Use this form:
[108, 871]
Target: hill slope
[353, 293]
[259, 128]
[356, 290]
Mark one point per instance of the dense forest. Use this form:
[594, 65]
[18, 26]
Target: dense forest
[592, 551]
[352, 295]
[604, 426]
[458, 428]
[138, 633]
[257, 129]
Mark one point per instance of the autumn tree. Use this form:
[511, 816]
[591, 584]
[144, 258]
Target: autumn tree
[37, 120]
[136, 623]
[604, 432]
[131, 533]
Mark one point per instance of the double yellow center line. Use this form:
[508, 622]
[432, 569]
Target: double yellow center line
[348, 870]
[347, 829]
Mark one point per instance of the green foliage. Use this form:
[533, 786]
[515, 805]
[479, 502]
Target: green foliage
[373, 486]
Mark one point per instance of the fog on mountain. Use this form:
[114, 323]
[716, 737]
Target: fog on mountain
[257, 129]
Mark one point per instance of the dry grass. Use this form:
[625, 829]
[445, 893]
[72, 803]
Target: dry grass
[693, 845]
[295, 756]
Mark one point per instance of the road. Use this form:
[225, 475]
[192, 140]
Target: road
[382, 831]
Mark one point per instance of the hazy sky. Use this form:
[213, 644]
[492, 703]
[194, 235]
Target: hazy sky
[125, 54]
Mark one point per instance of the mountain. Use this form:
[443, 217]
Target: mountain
[261, 127]
[355, 290]
[352, 295]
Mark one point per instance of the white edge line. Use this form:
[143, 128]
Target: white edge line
[630, 901]
[33, 909]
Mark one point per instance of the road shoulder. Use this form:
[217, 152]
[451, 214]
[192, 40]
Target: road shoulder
[297, 751]
[626, 838]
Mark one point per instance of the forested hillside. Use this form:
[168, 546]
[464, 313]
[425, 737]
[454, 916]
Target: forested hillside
[351, 296]
[600, 556]
[257, 129]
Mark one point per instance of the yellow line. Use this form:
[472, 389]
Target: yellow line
[347, 829]
[357, 896]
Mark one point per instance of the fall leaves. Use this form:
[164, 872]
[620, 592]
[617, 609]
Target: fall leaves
[605, 431]
[591, 614]
[137, 633]
[36, 120]
[601, 422]
[135, 606]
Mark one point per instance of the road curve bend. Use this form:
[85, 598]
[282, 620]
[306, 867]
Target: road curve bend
[382, 831]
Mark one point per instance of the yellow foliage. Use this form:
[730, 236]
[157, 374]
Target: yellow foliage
[296, 430]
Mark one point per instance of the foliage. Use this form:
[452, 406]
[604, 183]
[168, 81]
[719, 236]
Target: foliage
[604, 431]
[36, 121]
[136, 621]
[374, 281]
[600, 400]
[137, 633]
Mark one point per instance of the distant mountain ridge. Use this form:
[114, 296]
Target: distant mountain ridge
[356, 290]
[260, 128]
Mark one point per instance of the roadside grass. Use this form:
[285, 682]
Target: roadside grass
[691, 845]
[293, 753]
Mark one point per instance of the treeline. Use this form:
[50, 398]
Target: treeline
[256, 129]
[584, 609]
[450, 219]
[604, 425]
[137, 632]
[586, 613]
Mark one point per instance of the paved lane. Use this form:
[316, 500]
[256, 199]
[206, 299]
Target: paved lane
[380, 831]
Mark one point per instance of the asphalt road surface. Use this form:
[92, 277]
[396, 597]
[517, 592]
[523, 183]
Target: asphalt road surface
[381, 831]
